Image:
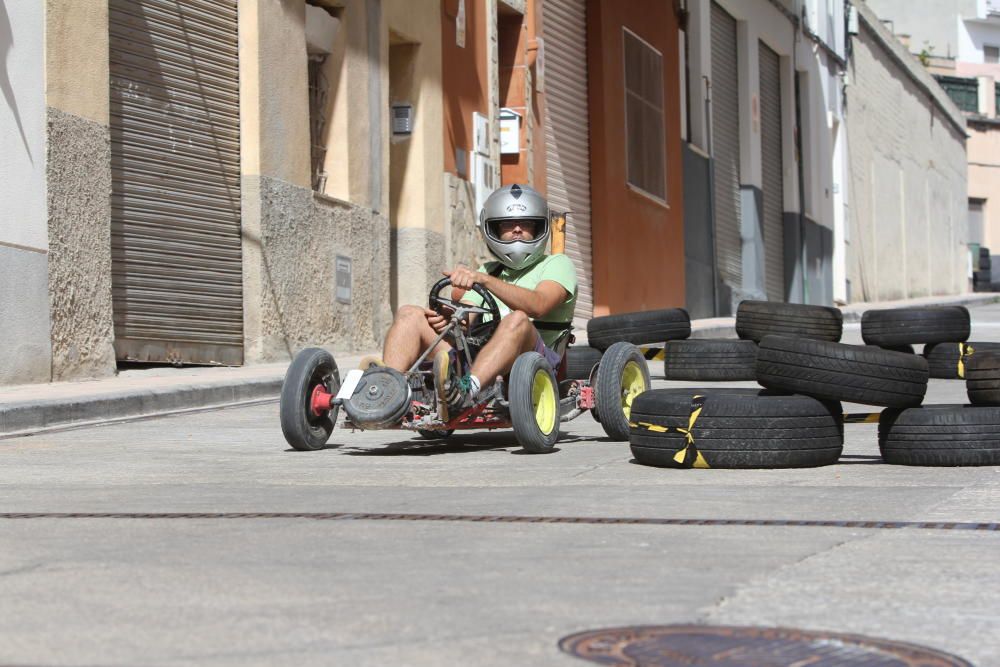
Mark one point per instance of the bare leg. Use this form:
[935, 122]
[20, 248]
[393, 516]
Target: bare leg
[514, 336]
[408, 337]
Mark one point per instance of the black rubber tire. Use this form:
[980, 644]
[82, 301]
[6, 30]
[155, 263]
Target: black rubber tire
[941, 435]
[736, 428]
[838, 372]
[982, 378]
[612, 403]
[943, 358]
[985, 263]
[529, 434]
[580, 361]
[983, 276]
[907, 326]
[428, 434]
[650, 326]
[302, 429]
[906, 349]
[756, 319]
[707, 359]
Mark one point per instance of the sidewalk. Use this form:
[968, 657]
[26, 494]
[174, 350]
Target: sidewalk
[134, 394]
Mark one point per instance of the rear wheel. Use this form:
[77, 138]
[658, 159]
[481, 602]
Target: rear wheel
[622, 375]
[312, 370]
[534, 403]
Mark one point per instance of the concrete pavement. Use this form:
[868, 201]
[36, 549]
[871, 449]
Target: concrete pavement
[148, 587]
[138, 393]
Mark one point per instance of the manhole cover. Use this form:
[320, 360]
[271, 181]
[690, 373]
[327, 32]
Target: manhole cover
[687, 645]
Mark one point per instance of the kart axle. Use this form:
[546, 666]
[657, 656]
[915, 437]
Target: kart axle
[320, 401]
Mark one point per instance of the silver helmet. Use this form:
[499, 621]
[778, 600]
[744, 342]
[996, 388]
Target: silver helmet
[515, 202]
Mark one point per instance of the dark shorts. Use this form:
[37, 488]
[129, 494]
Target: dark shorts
[550, 355]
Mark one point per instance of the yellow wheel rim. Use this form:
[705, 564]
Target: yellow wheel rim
[543, 401]
[633, 384]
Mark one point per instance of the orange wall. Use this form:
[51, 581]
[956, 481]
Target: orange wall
[463, 70]
[638, 243]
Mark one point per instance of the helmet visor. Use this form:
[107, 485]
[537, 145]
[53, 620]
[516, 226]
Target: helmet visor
[508, 230]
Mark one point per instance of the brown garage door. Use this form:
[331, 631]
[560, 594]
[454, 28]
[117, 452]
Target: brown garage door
[176, 246]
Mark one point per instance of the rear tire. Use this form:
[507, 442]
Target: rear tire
[580, 361]
[303, 429]
[534, 403]
[622, 376]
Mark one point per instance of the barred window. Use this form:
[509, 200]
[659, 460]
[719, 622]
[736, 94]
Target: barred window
[645, 151]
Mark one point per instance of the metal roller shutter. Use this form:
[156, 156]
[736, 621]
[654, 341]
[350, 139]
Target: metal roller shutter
[773, 184]
[726, 148]
[175, 157]
[567, 135]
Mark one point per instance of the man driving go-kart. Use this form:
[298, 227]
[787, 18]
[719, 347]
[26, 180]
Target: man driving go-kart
[487, 356]
[536, 294]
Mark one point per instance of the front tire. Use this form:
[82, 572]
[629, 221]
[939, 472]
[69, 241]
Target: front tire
[622, 375]
[534, 403]
[303, 429]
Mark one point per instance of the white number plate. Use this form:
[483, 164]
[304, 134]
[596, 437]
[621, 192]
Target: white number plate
[350, 383]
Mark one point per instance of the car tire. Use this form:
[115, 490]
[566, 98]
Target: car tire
[756, 319]
[839, 372]
[949, 361]
[735, 428]
[711, 360]
[580, 361]
[622, 376]
[941, 435]
[641, 328]
[303, 429]
[908, 326]
[982, 378]
[534, 403]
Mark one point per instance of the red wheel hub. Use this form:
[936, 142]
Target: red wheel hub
[319, 402]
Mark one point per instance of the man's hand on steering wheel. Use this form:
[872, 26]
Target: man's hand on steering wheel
[463, 277]
[440, 320]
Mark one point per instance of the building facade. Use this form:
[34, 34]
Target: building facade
[908, 232]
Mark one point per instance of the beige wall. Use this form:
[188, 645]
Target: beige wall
[274, 93]
[984, 180]
[76, 73]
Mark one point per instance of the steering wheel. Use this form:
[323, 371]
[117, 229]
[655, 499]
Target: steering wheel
[479, 332]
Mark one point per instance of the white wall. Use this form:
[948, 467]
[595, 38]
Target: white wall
[22, 125]
[908, 182]
[25, 348]
[934, 23]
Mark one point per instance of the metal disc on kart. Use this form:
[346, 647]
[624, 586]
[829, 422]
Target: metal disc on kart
[380, 399]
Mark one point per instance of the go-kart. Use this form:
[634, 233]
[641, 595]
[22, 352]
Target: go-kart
[533, 399]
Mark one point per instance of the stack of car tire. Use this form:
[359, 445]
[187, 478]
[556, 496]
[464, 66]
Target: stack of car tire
[982, 273]
[797, 419]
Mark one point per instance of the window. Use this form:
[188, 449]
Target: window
[963, 92]
[645, 152]
[991, 54]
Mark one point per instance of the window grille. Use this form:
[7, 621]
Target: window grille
[645, 149]
[963, 92]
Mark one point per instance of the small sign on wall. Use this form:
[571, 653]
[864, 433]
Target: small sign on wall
[460, 25]
[343, 274]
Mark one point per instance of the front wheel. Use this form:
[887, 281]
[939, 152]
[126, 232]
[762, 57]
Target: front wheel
[303, 428]
[622, 375]
[534, 403]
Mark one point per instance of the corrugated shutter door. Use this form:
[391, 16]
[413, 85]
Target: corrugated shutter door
[726, 148]
[770, 112]
[175, 154]
[567, 135]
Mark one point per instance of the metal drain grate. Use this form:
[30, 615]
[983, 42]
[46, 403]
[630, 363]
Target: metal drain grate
[500, 518]
[721, 646]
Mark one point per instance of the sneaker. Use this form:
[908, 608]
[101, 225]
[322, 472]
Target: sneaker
[458, 394]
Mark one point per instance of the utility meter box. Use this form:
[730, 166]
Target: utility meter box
[510, 131]
[402, 119]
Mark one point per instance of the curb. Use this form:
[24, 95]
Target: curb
[36, 416]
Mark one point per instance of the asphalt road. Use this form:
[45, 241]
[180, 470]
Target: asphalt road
[363, 590]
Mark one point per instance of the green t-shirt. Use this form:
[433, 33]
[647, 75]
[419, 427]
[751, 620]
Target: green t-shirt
[557, 268]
